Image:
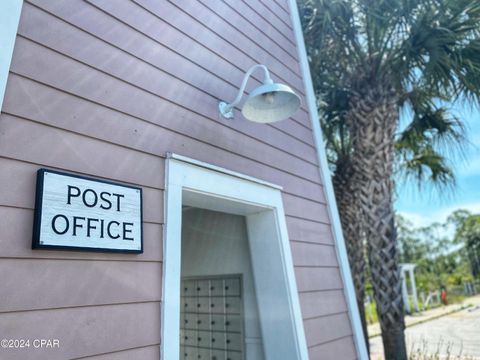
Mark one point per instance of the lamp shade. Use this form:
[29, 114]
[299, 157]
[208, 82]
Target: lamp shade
[271, 102]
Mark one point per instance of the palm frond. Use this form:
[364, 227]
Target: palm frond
[425, 166]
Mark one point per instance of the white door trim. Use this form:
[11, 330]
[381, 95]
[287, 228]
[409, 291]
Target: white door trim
[193, 183]
[327, 182]
[9, 18]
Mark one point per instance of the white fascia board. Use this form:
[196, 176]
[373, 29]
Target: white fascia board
[9, 18]
[327, 182]
[198, 178]
[221, 170]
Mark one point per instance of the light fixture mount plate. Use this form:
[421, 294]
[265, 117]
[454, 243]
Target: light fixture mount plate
[225, 110]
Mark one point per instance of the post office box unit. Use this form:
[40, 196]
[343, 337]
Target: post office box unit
[202, 305]
[216, 287]
[188, 353]
[217, 305]
[189, 338]
[190, 305]
[189, 321]
[234, 355]
[233, 341]
[217, 322]
[219, 341]
[204, 339]
[233, 323]
[219, 355]
[232, 305]
[188, 288]
[232, 287]
[203, 322]
[202, 287]
[203, 354]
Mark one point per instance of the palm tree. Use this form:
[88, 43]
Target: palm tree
[371, 60]
[339, 152]
[420, 156]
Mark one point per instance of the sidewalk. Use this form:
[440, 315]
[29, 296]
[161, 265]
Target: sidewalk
[417, 318]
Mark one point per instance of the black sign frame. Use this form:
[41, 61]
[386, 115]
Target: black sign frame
[38, 215]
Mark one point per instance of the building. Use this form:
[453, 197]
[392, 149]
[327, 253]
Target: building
[242, 256]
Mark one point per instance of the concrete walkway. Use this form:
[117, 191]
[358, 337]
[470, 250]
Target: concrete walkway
[448, 329]
[416, 318]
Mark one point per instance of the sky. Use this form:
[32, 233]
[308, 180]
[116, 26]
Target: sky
[430, 205]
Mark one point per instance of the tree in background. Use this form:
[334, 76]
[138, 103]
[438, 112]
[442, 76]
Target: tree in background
[467, 233]
[442, 260]
[371, 59]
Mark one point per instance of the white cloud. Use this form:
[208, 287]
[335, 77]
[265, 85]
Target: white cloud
[440, 215]
[418, 220]
[473, 207]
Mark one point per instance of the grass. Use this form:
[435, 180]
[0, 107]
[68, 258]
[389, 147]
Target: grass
[444, 351]
[371, 312]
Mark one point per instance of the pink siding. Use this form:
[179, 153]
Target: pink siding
[326, 328]
[106, 89]
[85, 330]
[334, 350]
[318, 304]
[149, 352]
[59, 283]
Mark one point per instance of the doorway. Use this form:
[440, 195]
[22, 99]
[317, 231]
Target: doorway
[218, 311]
[211, 198]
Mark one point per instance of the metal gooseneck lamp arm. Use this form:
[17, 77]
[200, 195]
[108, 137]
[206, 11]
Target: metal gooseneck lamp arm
[226, 109]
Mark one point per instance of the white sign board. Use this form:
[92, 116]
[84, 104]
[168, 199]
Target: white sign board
[78, 213]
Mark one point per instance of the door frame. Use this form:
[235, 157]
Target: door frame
[194, 183]
[9, 19]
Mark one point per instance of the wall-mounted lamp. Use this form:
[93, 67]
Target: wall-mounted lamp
[267, 103]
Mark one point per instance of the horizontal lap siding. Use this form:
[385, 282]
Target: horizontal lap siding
[327, 328]
[66, 283]
[306, 254]
[149, 352]
[317, 304]
[334, 350]
[318, 278]
[63, 149]
[83, 331]
[106, 89]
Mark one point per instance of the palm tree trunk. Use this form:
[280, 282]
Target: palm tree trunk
[352, 231]
[372, 123]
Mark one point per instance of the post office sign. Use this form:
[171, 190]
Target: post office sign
[79, 213]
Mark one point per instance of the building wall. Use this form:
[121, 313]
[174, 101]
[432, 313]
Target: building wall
[106, 88]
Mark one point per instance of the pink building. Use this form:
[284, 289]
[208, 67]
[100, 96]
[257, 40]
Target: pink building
[212, 238]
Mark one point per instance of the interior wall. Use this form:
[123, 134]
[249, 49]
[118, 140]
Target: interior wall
[215, 243]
